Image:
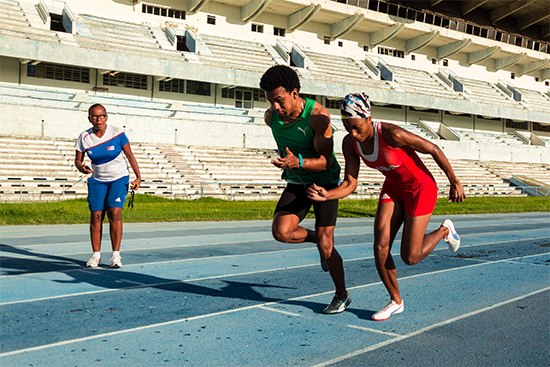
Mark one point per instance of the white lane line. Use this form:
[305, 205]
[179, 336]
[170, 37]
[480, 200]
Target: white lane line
[394, 253]
[341, 358]
[280, 311]
[431, 327]
[152, 285]
[92, 337]
[374, 330]
[15, 232]
[343, 232]
[401, 337]
[183, 247]
[350, 326]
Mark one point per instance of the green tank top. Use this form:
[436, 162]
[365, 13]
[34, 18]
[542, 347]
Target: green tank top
[298, 137]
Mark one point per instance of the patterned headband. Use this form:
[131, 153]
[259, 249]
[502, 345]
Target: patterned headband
[355, 105]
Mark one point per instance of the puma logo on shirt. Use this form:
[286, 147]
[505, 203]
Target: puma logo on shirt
[303, 130]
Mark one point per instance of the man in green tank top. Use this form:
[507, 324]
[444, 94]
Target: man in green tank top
[303, 133]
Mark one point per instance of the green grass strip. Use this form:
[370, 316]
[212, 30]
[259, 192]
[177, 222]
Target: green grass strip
[148, 208]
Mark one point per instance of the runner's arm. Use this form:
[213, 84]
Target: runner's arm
[323, 141]
[350, 177]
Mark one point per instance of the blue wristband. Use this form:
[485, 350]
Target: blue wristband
[301, 160]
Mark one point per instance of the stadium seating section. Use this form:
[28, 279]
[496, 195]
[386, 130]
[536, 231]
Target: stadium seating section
[97, 33]
[42, 169]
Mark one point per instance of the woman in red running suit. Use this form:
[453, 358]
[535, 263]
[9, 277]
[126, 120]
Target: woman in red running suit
[408, 195]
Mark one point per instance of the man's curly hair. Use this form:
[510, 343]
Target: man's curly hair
[280, 76]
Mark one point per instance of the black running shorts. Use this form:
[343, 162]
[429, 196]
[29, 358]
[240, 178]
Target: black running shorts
[295, 201]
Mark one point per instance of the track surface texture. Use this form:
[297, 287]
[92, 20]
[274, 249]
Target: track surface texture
[227, 294]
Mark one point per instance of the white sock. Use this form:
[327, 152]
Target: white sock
[116, 253]
[96, 254]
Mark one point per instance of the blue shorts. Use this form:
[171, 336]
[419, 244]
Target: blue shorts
[111, 194]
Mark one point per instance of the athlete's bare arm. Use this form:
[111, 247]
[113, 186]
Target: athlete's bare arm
[398, 137]
[133, 163]
[322, 140]
[79, 163]
[350, 178]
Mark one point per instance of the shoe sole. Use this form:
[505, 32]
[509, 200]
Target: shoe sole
[115, 266]
[92, 266]
[452, 229]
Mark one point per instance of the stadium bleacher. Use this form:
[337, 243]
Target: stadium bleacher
[504, 85]
[229, 52]
[337, 68]
[419, 81]
[42, 169]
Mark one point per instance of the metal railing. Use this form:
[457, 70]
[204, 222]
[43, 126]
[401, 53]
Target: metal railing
[233, 186]
[61, 189]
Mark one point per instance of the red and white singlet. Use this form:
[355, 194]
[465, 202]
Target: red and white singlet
[407, 180]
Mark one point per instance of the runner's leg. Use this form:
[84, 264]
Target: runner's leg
[388, 220]
[286, 228]
[325, 244]
[416, 245]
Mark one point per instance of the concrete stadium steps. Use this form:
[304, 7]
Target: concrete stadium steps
[28, 158]
[230, 173]
[15, 22]
[415, 129]
[233, 164]
[506, 170]
[422, 82]
[121, 104]
[534, 99]
[128, 101]
[11, 89]
[485, 92]
[341, 69]
[152, 157]
[488, 137]
[122, 37]
[11, 93]
[236, 53]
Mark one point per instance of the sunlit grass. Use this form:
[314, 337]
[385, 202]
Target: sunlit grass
[148, 208]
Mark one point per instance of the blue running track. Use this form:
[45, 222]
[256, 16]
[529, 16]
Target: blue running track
[227, 294]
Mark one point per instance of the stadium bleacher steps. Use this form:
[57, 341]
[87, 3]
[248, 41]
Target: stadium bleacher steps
[422, 82]
[19, 20]
[342, 70]
[228, 52]
[42, 169]
[531, 186]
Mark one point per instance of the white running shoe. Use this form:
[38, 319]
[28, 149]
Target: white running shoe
[93, 262]
[452, 239]
[389, 310]
[116, 262]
